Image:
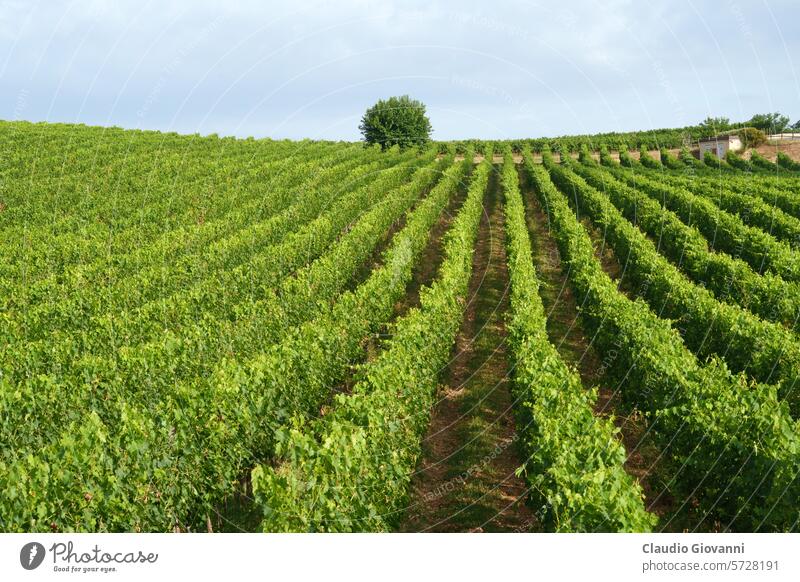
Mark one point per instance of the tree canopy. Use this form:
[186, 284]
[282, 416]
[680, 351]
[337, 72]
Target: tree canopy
[396, 121]
[769, 122]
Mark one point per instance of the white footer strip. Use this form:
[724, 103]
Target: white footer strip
[408, 557]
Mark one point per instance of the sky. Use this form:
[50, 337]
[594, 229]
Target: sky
[491, 70]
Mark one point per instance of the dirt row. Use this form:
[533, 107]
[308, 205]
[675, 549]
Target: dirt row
[466, 480]
[575, 346]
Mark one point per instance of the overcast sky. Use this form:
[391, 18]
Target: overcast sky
[309, 69]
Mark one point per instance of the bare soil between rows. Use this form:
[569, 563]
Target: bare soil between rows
[466, 480]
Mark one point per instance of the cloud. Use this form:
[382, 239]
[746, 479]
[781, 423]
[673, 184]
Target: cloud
[309, 69]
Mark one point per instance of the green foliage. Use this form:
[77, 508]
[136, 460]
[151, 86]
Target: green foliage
[396, 121]
[646, 160]
[730, 279]
[746, 198]
[788, 163]
[751, 137]
[669, 161]
[651, 139]
[655, 139]
[767, 351]
[712, 126]
[487, 148]
[760, 162]
[736, 161]
[606, 159]
[713, 161]
[701, 416]
[349, 470]
[574, 460]
[776, 190]
[759, 249]
[175, 310]
[235, 258]
[191, 396]
[626, 160]
[585, 155]
[769, 122]
[688, 159]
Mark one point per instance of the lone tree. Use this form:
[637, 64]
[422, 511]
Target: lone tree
[397, 120]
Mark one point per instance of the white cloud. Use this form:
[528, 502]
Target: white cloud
[518, 68]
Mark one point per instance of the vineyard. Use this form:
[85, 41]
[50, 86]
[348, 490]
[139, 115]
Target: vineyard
[217, 334]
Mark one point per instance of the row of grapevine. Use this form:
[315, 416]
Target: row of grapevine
[784, 161]
[764, 350]
[726, 231]
[759, 161]
[574, 460]
[147, 257]
[194, 347]
[156, 366]
[730, 279]
[53, 181]
[752, 210]
[671, 162]
[108, 160]
[138, 209]
[183, 447]
[349, 470]
[737, 162]
[715, 163]
[779, 193]
[756, 164]
[144, 304]
[732, 448]
[776, 190]
[689, 161]
[651, 140]
[626, 160]
[648, 162]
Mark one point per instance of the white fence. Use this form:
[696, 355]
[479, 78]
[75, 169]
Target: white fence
[784, 137]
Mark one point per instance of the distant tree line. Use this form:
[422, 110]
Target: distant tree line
[654, 139]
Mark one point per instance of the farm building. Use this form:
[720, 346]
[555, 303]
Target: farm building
[720, 145]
